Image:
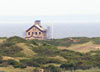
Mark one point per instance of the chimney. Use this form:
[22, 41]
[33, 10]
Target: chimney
[37, 22]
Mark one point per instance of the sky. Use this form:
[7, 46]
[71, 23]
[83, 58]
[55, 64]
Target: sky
[48, 7]
[69, 10]
[80, 15]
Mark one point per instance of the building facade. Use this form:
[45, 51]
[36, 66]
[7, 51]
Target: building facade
[36, 32]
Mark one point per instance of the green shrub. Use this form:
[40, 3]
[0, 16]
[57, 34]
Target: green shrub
[52, 68]
[17, 39]
[8, 50]
[20, 65]
[3, 37]
[18, 54]
[66, 41]
[30, 62]
[33, 42]
[51, 60]
[45, 60]
[8, 44]
[36, 70]
[12, 62]
[46, 50]
[5, 63]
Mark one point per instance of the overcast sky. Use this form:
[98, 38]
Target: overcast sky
[49, 10]
[70, 17]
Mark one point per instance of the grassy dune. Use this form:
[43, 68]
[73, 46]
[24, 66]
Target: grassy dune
[45, 53]
[86, 47]
[13, 58]
[89, 70]
[59, 58]
[30, 69]
[2, 40]
[27, 51]
[11, 69]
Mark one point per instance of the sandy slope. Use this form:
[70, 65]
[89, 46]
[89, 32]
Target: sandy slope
[86, 47]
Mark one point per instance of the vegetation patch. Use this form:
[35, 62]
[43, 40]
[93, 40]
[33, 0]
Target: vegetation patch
[26, 50]
[77, 54]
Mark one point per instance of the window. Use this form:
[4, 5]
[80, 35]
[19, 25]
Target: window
[28, 33]
[32, 33]
[39, 33]
[35, 33]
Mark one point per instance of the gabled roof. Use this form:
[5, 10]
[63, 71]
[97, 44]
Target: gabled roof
[37, 26]
[40, 27]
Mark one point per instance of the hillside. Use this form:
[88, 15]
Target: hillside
[84, 48]
[29, 55]
[78, 44]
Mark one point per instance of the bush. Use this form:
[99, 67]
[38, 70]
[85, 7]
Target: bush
[8, 44]
[52, 68]
[3, 37]
[45, 60]
[17, 39]
[19, 65]
[12, 62]
[19, 54]
[36, 70]
[46, 50]
[8, 49]
[51, 60]
[5, 63]
[30, 62]
[38, 61]
[34, 42]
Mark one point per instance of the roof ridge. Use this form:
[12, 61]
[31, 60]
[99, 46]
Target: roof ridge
[39, 27]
